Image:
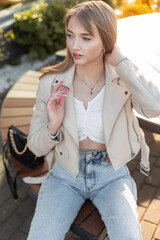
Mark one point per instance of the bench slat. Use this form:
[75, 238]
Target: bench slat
[25, 87]
[153, 126]
[32, 73]
[29, 81]
[17, 121]
[19, 102]
[20, 94]
[13, 111]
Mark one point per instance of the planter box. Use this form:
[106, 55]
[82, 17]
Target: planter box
[15, 50]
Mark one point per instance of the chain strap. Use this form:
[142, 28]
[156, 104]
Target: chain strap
[14, 145]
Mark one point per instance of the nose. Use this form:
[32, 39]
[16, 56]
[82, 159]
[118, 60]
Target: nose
[76, 44]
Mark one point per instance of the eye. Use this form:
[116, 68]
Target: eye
[69, 35]
[86, 39]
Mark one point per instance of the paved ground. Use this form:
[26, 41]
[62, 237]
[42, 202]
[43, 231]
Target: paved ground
[15, 216]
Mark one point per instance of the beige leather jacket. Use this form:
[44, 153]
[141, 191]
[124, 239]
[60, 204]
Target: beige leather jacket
[125, 89]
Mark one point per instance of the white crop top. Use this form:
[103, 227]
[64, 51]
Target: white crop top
[89, 121]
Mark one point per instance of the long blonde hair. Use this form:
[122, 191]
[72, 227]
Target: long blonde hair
[98, 13]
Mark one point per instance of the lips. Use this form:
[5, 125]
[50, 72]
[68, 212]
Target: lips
[77, 56]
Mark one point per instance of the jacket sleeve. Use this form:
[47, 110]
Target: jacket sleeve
[38, 140]
[145, 93]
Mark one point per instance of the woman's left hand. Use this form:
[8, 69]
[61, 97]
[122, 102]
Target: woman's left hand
[115, 56]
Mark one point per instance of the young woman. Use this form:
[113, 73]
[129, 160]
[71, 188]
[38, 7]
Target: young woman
[84, 116]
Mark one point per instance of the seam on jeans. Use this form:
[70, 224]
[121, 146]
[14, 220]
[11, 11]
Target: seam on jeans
[130, 178]
[132, 187]
[94, 176]
[127, 171]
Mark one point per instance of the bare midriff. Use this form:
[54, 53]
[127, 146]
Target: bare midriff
[88, 144]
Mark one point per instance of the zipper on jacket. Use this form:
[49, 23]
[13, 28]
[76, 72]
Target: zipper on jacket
[138, 137]
[129, 140]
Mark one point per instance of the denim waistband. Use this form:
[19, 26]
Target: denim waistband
[97, 156]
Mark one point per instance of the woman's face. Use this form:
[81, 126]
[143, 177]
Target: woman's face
[83, 47]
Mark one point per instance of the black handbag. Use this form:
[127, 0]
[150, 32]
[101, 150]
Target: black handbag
[17, 144]
[17, 141]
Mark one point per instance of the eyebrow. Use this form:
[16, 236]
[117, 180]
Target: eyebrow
[83, 34]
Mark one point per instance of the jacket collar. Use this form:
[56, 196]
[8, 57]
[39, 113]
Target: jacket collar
[110, 72]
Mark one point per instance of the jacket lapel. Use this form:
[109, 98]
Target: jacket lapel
[69, 121]
[114, 100]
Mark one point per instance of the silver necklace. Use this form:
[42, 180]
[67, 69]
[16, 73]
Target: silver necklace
[89, 86]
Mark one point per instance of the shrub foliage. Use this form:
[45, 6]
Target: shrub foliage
[5, 37]
[41, 28]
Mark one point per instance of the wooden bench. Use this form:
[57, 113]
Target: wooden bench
[17, 110]
[151, 125]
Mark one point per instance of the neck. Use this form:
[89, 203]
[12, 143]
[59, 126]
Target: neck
[91, 72]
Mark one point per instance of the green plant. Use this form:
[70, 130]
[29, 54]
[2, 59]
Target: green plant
[41, 27]
[5, 37]
[29, 29]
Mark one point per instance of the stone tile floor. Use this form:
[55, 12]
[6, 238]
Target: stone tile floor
[15, 216]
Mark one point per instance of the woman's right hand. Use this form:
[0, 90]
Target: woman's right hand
[55, 108]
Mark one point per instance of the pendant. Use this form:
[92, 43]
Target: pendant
[91, 92]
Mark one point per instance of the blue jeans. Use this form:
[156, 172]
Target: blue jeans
[61, 196]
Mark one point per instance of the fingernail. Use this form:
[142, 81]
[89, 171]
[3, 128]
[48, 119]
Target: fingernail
[62, 82]
[60, 96]
[67, 90]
